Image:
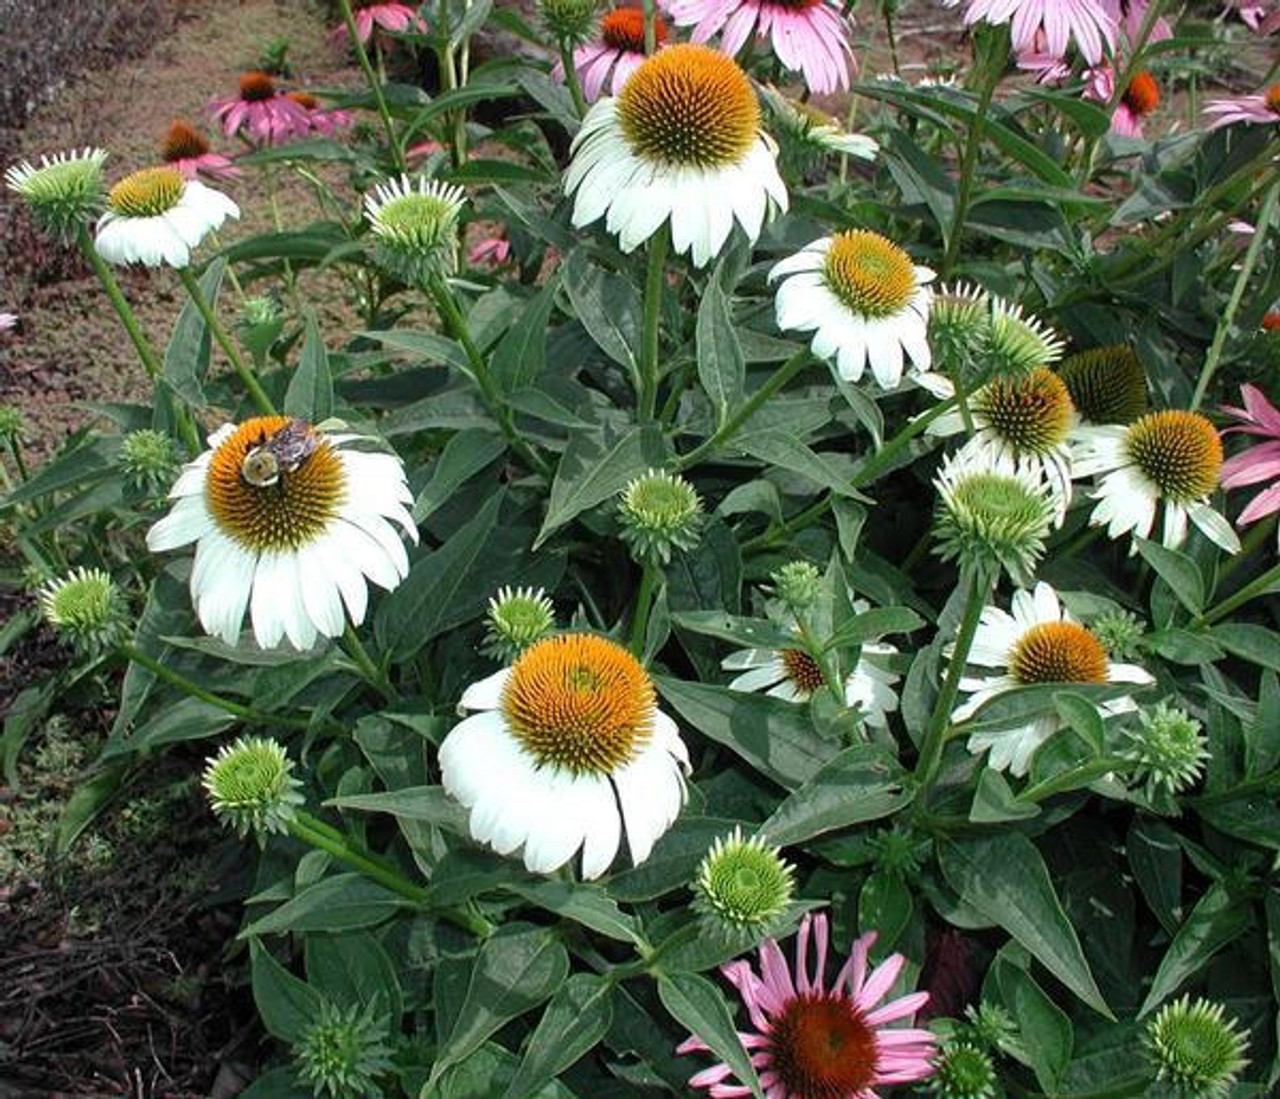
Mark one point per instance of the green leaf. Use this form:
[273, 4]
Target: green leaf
[428, 347]
[186, 719]
[874, 624]
[521, 354]
[595, 467]
[1004, 878]
[286, 1005]
[1216, 921]
[754, 633]
[21, 716]
[85, 465]
[779, 448]
[773, 736]
[186, 358]
[343, 902]
[1183, 646]
[884, 906]
[698, 1005]
[1089, 117]
[1256, 644]
[862, 783]
[405, 624]
[1177, 570]
[607, 306]
[465, 455]
[89, 800]
[994, 802]
[1046, 1030]
[425, 803]
[578, 1016]
[672, 861]
[721, 366]
[1155, 857]
[584, 904]
[310, 393]
[1080, 714]
[352, 970]
[517, 968]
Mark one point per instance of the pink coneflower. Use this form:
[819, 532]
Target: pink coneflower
[1260, 17]
[1129, 15]
[321, 119]
[811, 1040]
[1140, 98]
[421, 151]
[1258, 463]
[8, 321]
[808, 36]
[619, 49]
[1263, 108]
[185, 148]
[495, 250]
[1044, 66]
[390, 17]
[1061, 20]
[262, 110]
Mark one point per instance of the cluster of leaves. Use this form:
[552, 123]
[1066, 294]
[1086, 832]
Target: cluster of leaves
[1075, 901]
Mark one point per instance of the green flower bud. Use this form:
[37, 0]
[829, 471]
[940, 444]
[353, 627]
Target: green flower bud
[1170, 749]
[1017, 344]
[660, 512]
[569, 21]
[896, 852]
[743, 886]
[86, 607]
[993, 1027]
[992, 513]
[959, 329]
[149, 457]
[1120, 633]
[1107, 384]
[415, 228]
[1196, 1053]
[261, 322]
[344, 1052]
[251, 787]
[797, 584]
[64, 193]
[516, 620]
[964, 1071]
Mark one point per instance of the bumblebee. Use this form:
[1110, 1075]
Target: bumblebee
[281, 452]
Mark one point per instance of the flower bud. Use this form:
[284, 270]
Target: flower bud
[1107, 384]
[797, 584]
[743, 885]
[517, 619]
[1194, 1050]
[569, 21]
[344, 1052]
[64, 193]
[1170, 749]
[149, 458]
[86, 607]
[251, 787]
[415, 228]
[660, 512]
[964, 1070]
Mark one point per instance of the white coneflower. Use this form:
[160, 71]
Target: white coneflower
[1024, 421]
[1108, 385]
[415, 226]
[156, 217]
[64, 192]
[864, 300]
[682, 143]
[567, 749]
[1039, 642]
[1170, 458]
[288, 522]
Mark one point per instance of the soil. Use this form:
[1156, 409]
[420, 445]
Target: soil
[68, 347]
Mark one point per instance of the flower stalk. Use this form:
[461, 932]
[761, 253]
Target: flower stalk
[375, 85]
[228, 345]
[648, 395]
[571, 78]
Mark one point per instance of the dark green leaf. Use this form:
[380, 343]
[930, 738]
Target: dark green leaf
[578, 1016]
[1256, 644]
[186, 358]
[780, 448]
[874, 624]
[862, 783]
[465, 455]
[1176, 569]
[354, 969]
[754, 633]
[584, 904]
[721, 367]
[608, 307]
[1155, 857]
[344, 902]
[698, 1005]
[425, 803]
[1216, 921]
[286, 1005]
[521, 355]
[1004, 878]
[310, 393]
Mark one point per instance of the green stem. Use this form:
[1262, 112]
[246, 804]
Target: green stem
[375, 86]
[228, 345]
[244, 713]
[456, 324]
[1237, 293]
[969, 162]
[150, 360]
[644, 602]
[1258, 586]
[886, 7]
[650, 26]
[571, 78]
[1258, 534]
[364, 664]
[729, 428]
[935, 738]
[648, 395]
[311, 831]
